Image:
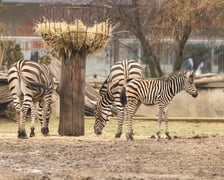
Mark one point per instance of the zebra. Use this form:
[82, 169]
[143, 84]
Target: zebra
[31, 83]
[110, 93]
[155, 92]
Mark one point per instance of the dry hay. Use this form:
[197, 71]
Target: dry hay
[62, 37]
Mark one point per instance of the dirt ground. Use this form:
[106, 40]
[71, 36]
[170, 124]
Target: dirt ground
[68, 158]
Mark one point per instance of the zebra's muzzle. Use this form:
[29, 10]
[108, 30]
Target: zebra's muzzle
[195, 94]
[97, 132]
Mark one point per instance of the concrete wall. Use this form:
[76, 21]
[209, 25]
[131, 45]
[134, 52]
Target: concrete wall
[209, 103]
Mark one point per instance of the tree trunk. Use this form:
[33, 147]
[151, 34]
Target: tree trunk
[179, 54]
[72, 95]
[180, 47]
[179, 60]
[146, 56]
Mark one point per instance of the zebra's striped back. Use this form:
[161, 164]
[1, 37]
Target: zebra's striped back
[120, 74]
[31, 76]
[162, 90]
[156, 91]
[30, 82]
[125, 70]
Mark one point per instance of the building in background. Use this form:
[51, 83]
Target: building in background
[19, 18]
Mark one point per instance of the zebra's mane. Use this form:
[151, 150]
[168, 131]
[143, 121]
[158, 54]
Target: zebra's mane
[176, 74]
[172, 75]
[103, 87]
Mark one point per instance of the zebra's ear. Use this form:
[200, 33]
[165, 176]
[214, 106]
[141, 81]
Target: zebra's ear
[190, 76]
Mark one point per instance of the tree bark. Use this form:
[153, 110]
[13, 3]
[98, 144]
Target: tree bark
[147, 59]
[181, 41]
[132, 19]
[72, 95]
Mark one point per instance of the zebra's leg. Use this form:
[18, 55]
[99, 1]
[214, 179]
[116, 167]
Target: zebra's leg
[120, 113]
[17, 106]
[160, 118]
[33, 115]
[48, 114]
[120, 124]
[166, 124]
[23, 114]
[42, 112]
[130, 110]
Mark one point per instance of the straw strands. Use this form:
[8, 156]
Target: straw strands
[75, 37]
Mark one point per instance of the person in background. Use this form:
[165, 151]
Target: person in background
[207, 67]
[199, 69]
[204, 65]
[221, 59]
[35, 56]
[188, 63]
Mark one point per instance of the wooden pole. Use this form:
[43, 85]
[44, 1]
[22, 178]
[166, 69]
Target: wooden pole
[72, 90]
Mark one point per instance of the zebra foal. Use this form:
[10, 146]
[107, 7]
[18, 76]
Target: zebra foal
[120, 73]
[155, 92]
[30, 83]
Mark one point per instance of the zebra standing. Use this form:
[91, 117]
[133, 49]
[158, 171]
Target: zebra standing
[155, 91]
[30, 82]
[120, 72]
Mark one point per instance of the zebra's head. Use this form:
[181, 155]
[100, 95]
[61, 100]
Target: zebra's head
[189, 86]
[101, 117]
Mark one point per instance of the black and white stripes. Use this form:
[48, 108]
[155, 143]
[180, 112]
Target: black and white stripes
[120, 74]
[30, 83]
[155, 91]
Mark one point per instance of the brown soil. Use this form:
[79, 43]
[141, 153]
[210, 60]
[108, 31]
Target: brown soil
[57, 158]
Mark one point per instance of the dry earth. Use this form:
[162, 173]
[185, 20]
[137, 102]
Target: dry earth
[56, 157]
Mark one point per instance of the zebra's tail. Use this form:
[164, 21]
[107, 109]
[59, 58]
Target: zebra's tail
[123, 97]
[33, 85]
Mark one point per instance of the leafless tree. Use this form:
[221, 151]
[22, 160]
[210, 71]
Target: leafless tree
[179, 19]
[135, 17]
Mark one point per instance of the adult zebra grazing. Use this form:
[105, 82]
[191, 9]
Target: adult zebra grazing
[155, 91]
[30, 82]
[120, 74]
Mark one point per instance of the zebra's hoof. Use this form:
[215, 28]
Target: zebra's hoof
[45, 131]
[129, 137]
[32, 133]
[153, 137]
[118, 135]
[22, 135]
[158, 135]
[168, 136]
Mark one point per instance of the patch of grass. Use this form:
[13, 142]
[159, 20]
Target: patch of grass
[142, 128]
[176, 128]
